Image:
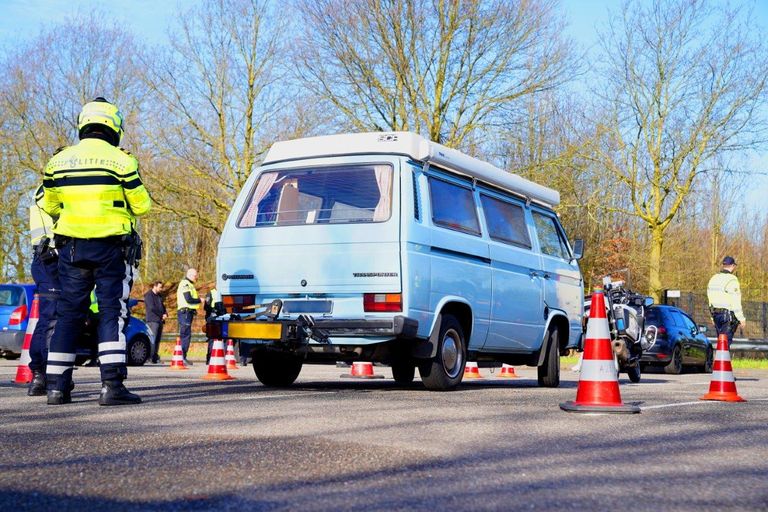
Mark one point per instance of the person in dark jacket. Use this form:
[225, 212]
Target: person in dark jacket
[156, 315]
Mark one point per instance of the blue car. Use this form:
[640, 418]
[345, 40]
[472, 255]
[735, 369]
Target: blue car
[680, 343]
[15, 306]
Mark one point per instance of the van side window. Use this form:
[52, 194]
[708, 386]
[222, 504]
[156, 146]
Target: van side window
[453, 206]
[506, 221]
[550, 238]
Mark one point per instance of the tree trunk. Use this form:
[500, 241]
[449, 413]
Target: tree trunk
[655, 289]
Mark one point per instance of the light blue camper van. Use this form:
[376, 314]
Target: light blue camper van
[387, 247]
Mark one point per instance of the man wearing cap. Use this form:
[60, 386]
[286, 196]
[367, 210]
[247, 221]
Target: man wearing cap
[724, 295]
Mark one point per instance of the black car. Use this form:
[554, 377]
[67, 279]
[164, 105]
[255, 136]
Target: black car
[680, 342]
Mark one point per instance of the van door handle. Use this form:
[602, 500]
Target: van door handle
[547, 276]
[533, 273]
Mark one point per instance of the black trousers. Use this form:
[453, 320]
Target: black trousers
[724, 325]
[46, 277]
[84, 264]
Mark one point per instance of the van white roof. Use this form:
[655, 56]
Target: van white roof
[416, 147]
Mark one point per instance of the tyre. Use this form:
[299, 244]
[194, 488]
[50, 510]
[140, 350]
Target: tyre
[403, 371]
[549, 372]
[276, 369]
[634, 373]
[138, 350]
[709, 361]
[445, 371]
[675, 366]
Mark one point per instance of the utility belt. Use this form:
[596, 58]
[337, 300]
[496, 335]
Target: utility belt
[718, 311]
[131, 244]
[45, 251]
[188, 310]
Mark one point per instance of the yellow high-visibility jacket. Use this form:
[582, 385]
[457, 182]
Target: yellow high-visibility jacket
[723, 291]
[185, 285]
[95, 190]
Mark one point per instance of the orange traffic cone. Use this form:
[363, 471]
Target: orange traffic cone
[230, 357]
[471, 371]
[23, 373]
[177, 361]
[598, 389]
[508, 372]
[723, 384]
[217, 367]
[362, 370]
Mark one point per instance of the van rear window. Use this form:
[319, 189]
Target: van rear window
[323, 195]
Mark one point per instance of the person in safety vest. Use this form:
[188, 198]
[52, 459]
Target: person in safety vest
[213, 307]
[95, 189]
[724, 295]
[45, 273]
[187, 304]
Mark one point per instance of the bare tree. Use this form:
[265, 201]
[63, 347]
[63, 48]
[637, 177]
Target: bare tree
[686, 79]
[445, 69]
[220, 99]
[44, 84]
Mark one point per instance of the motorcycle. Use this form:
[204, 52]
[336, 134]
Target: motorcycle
[630, 337]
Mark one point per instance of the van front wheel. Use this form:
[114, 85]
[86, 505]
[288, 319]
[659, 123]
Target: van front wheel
[445, 371]
[549, 372]
[276, 369]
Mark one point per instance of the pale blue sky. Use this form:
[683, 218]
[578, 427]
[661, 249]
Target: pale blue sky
[149, 19]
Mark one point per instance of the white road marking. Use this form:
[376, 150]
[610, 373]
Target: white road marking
[286, 395]
[698, 402]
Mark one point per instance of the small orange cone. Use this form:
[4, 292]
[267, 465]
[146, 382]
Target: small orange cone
[362, 370]
[217, 368]
[177, 361]
[230, 357]
[508, 372]
[723, 384]
[23, 373]
[471, 371]
[598, 389]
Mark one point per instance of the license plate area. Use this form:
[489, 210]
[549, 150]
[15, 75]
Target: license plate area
[307, 306]
[253, 330]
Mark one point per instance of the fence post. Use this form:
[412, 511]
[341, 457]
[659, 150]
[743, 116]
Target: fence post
[765, 321]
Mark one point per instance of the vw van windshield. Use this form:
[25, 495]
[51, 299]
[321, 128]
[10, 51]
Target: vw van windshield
[320, 195]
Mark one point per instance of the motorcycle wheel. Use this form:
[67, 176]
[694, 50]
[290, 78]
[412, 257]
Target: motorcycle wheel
[634, 374]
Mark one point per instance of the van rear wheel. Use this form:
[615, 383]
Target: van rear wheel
[276, 369]
[445, 371]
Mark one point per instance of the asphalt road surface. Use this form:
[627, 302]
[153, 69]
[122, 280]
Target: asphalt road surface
[330, 443]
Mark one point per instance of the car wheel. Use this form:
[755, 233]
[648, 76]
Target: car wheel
[403, 371]
[276, 369]
[634, 374]
[709, 361]
[138, 350]
[549, 372]
[675, 366]
[445, 371]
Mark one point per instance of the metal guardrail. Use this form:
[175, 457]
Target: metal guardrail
[745, 345]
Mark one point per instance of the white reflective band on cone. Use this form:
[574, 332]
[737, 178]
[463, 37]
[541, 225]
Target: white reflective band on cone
[217, 361]
[597, 329]
[722, 355]
[61, 357]
[111, 345]
[720, 376]
[112, 358]
[598, 370]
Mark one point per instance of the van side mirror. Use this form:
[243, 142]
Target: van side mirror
[578, 249]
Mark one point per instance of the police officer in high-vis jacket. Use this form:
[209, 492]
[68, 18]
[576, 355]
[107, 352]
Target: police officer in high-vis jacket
[95, 189]
[187, 303]
[45, 273]
[724, 295]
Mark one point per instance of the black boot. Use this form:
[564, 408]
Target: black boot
[37, 386]
[58, 397]
[114, 393]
